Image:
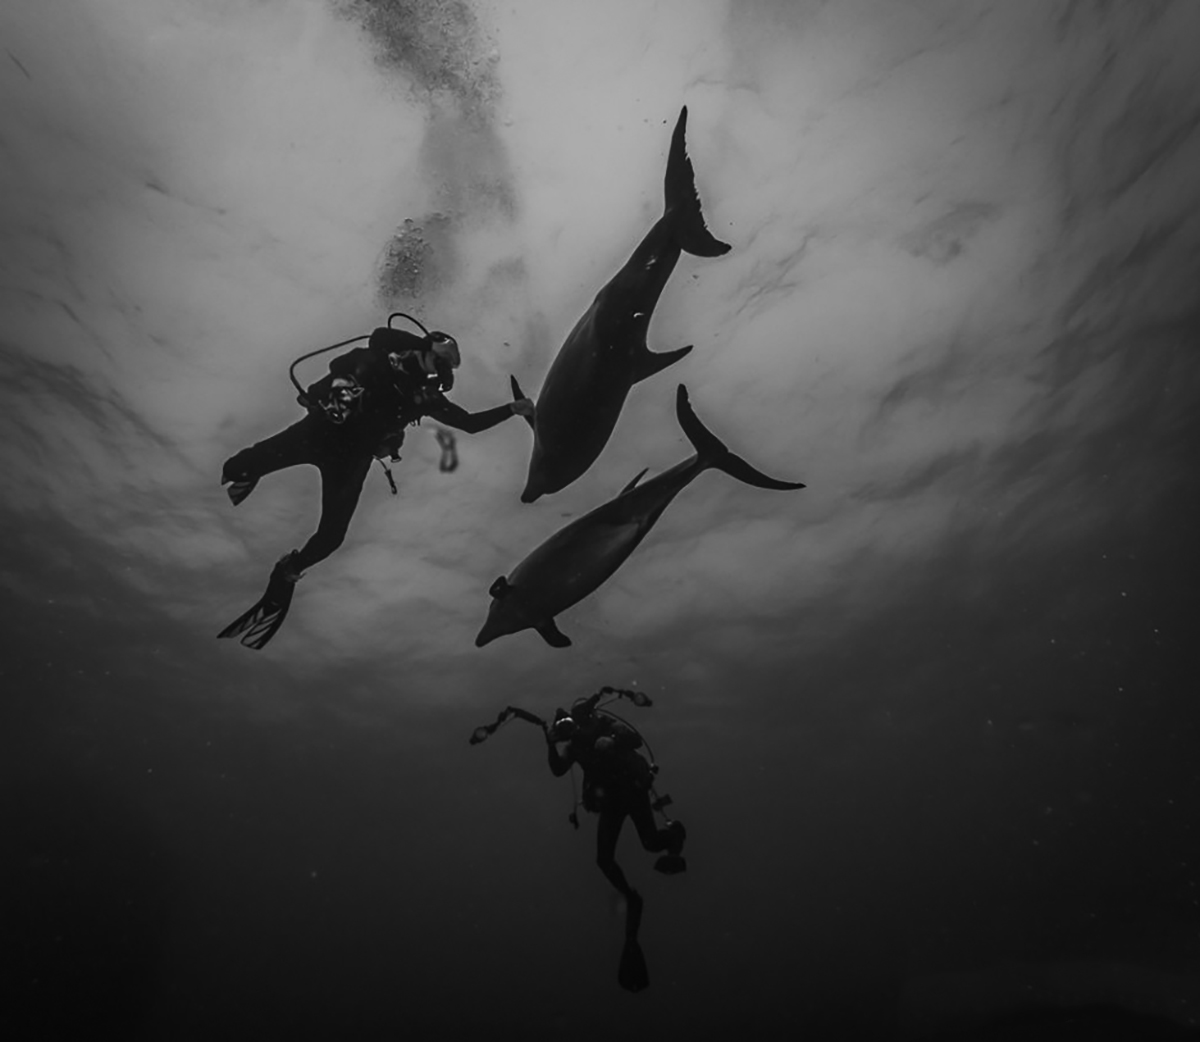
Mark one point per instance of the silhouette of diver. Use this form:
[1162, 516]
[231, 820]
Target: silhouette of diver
[618, 782]
[356, 413]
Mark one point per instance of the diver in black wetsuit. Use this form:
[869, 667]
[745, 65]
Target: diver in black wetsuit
[356, 413]
[616, 785]
[618, 782]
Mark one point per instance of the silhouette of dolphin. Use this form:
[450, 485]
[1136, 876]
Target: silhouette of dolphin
[580, 556]
[606, 354]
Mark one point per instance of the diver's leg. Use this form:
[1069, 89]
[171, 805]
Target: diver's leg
[342, 480]
[289, 448]
[670, 839]
[653, 838]
[607, 832]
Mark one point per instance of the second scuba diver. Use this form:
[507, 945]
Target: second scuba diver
[355, 414]
[618, 783]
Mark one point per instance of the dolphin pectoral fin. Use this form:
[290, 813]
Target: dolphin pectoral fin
[714, 453]
[553, 636]
[633, 484]
[647, 363]
[518, 394]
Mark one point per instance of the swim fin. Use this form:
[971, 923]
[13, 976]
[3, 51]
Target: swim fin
[671, 864]
[258, 625]
[633, 974]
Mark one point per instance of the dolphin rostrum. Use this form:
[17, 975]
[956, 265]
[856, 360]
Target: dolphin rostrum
[606, 354]
[580, 556]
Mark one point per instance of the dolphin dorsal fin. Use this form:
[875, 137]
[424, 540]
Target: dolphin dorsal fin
[518, 394]
[636, 478]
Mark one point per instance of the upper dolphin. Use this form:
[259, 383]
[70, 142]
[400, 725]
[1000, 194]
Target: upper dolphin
[606, 354]
[580, 556]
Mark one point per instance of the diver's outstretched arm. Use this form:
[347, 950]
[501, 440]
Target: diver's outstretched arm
[483, 733]
[471, 422]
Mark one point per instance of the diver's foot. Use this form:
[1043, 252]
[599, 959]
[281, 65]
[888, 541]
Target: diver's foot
[671, 864]
[239, 490]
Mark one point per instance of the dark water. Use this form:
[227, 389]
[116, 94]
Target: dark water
[175, 872]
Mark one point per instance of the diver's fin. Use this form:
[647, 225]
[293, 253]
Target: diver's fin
[671, 864]
[552, 635]
[633, 974]
[647, 363]
[713, 453]
[682, 202]
[633, 483]
[518, 394]
[257, 626]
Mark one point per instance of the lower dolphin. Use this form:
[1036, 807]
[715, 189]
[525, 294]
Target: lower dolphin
[579, 557]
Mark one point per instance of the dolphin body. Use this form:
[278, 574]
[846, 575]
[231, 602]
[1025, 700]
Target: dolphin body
[579, 557]
[606, 354]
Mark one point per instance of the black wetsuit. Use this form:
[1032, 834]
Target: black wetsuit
[616, 785]
[343, 452]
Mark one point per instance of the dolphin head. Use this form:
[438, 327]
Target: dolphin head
[532, 492]
[505, 614]
[541, 481]
[548, 472]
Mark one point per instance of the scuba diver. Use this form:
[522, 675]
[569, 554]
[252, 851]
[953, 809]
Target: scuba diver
[356, 413]
[618, 782]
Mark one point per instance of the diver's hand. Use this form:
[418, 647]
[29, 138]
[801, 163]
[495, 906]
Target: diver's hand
[521, 407]
[603, 743]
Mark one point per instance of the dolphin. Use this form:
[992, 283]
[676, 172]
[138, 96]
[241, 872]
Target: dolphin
[606, 354]
[579, 557]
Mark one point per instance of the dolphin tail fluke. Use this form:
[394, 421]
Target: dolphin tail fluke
[518, 394]
[682, 202]
[647, 363]
[713, 453]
